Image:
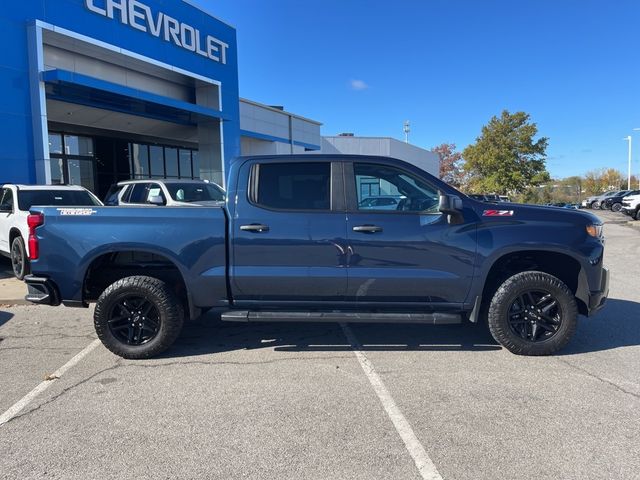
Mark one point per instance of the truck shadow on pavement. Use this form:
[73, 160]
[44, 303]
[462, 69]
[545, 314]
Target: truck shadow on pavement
[5, 317]
[5, 268]
[617, 325]
[209, 335]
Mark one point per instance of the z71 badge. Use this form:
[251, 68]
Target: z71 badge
[497, 213]
[76, 211]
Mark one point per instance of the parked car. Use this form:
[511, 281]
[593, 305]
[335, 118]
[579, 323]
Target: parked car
[631, 206]
[292, 244]
[15, 203]
[167, 192]
[595, 200]
[614, 202]
[381, 202]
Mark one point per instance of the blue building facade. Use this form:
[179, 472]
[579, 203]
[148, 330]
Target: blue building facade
[95, 91]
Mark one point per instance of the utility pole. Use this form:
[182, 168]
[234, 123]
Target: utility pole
[407, 128]
[628, 138]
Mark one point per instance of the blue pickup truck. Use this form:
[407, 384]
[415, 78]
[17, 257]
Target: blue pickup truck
[296, 241]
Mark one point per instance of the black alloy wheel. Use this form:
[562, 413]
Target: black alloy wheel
[535, 316]
[19, 261]
[616, 207]
[134, 319]
[138, 317]
[533, 313]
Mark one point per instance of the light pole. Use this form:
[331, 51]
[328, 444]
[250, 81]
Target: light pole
[635, 130]
[628, 138]
[407, 128]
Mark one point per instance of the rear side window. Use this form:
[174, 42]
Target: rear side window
[139, 193]
[292, 186]
[65, 198]
[6, 198]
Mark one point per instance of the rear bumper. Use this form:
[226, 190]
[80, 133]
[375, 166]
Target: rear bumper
[598, 298]
[41, 290]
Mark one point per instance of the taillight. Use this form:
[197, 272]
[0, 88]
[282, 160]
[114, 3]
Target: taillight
[33, 221]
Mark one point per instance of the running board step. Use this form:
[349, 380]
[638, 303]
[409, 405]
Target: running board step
[347, 317]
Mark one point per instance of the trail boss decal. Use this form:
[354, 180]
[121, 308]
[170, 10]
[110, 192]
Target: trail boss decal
[497, 213]
[76, 211]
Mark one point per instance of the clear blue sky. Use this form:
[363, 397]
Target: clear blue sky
[449, 65]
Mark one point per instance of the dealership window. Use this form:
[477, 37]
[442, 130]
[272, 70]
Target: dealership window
[158, 161]
[171, 162]
[139, 160]
[72, 160]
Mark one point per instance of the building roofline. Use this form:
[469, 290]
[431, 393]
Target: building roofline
[277, 110]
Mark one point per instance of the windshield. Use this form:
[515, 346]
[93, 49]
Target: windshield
[195, 192]
[65, 198]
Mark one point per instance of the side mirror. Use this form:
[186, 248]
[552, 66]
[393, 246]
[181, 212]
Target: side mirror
[156, 200]
[451, 205]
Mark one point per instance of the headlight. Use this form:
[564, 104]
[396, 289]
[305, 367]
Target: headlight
[595, 230]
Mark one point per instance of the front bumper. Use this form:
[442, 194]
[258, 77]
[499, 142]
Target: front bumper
[598, 298]
[41, 290]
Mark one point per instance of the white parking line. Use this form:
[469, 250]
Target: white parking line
[427, 469]
[17, 407]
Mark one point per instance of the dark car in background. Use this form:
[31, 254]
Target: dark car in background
[614, 202]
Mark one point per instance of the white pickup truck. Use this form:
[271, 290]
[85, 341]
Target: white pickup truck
[631, 206]
[15, 203]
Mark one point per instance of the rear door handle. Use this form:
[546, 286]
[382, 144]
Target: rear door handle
[367, 228]
[255, 227]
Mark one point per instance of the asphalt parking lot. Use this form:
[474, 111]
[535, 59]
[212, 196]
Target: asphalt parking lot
[326, 401]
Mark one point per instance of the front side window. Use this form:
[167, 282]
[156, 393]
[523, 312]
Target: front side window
[384, 188]
[293, 186]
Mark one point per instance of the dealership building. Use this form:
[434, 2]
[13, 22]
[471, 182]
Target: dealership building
[96, 91]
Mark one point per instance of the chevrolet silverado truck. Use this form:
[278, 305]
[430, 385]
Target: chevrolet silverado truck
[293, 243]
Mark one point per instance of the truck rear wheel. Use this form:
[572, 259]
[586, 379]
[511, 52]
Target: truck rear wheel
[138, 317]
[533, 313]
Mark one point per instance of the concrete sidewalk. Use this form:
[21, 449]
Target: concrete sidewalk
[12, 291]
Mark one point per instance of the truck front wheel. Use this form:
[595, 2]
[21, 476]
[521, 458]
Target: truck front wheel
[138, 317]
[533, 313]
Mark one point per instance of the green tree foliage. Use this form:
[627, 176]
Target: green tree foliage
[505, 158]
[450, 164]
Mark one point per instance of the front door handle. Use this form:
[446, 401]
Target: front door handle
[255, 227]
[367, 228]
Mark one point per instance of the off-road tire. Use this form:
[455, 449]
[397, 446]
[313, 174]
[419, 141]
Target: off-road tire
[19, 259]
[166, 305]
[515, 287]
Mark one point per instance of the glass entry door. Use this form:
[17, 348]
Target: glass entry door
[72, 160]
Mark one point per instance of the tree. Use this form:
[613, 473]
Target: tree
[450, 164]
[598, 181]
[505, 158]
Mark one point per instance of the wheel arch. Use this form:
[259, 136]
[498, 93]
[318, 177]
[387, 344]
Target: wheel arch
[559, 264]
[105, 268]
[13, 233]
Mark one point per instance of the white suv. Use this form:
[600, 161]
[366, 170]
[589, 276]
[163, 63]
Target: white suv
[15, 203]
[631, 206]
[165, 191]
